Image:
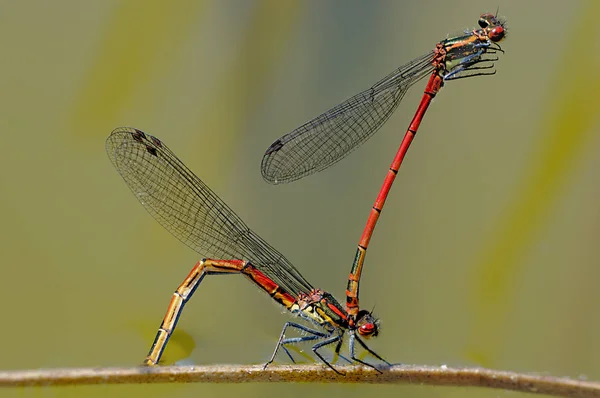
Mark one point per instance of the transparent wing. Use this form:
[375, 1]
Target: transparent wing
[331, 136]
[189, 210]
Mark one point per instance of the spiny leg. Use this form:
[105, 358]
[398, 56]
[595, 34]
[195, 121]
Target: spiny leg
[316, 335]
[324, 343]
[337, 351]
[183, 293]
[283, 341]
[354, 337]
[370, 351]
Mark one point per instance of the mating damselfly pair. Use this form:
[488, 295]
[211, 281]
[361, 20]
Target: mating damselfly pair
[195, 215]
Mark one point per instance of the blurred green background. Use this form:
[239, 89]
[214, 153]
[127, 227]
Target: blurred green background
[486, 254]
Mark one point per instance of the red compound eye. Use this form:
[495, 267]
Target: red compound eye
[367, 330]
[496, 34]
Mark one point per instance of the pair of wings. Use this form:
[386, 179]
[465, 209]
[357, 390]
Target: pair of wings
[194, 214]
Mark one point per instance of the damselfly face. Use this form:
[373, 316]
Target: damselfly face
[493, 26]
[367, 324]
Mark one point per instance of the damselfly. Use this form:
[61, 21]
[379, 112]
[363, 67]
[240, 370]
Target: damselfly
[195, 215]
[328, 138]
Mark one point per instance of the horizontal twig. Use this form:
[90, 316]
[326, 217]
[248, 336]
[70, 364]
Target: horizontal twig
[426, 375]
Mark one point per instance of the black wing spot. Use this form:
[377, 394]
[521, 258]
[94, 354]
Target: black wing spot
[277, 145]
[151, 150]
[156, 141]
[138, 135]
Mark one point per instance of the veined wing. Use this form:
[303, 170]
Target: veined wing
[190, 210]
[328, 138]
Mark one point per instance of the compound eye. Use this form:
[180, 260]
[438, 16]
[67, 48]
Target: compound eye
[496, 34]
[484, 20]
[368, 330]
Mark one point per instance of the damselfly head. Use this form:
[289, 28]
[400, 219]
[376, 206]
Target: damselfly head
[494, 27]
[367, 325]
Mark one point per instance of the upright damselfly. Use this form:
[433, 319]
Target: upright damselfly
[328, 138]
[188, 209]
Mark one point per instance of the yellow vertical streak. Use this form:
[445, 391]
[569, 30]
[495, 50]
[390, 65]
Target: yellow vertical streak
[126, 56]
[564, 133]
[240, 88]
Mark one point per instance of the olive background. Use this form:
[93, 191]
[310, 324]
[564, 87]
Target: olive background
[486, 253]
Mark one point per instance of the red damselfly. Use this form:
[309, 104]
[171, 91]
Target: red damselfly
[328, 138]
[195, 215]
